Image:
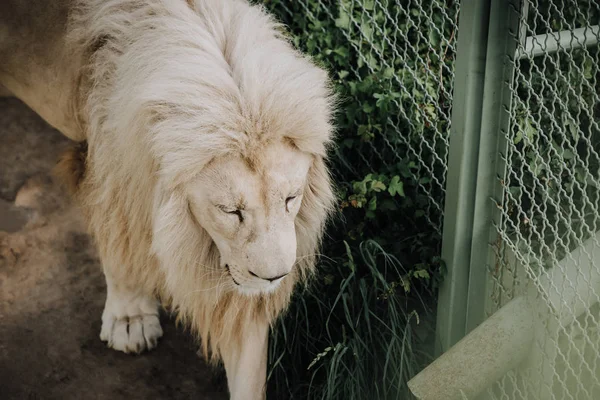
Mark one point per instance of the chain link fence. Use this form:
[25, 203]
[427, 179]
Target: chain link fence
[394, 63]
[547, 243]
[399, 60]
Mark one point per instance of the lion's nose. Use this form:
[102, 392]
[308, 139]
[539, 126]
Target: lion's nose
[268, 279]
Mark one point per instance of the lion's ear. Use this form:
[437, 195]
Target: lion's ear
[317, 206]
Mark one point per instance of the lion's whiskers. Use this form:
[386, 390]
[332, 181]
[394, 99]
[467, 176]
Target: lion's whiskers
[311, 255]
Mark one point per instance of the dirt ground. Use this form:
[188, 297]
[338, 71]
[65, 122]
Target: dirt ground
[52, 291]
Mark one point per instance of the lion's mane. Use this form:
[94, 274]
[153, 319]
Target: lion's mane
[168, 86]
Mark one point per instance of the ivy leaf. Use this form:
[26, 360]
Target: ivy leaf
[360, 187]
[529, 131]
[368, 5]
[342, 74]
[367, 31]
[377, 186]
[518, 137]
[372, 206]
[434, 38]
[430, 111]
[343, 21]
[341, 51]
[421, 274]
[396, 187]
[357, 200]
[389, 73]
[568, 154]
[368, 108]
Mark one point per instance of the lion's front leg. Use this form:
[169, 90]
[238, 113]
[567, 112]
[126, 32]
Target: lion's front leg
[246, 364]
[130, 318]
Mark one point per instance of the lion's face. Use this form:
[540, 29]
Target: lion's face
[248, 207]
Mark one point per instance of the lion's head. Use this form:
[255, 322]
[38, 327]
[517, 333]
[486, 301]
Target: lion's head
[249, 208]
[246, 222]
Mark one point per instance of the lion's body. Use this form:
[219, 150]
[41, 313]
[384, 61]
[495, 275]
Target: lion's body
[159, 89]
[36, 65]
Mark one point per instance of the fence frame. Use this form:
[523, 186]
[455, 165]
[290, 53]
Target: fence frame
[461, 181]
[487, 39]
[503, 39]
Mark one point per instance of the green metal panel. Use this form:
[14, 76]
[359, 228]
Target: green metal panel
[462, 167]
[502, 43]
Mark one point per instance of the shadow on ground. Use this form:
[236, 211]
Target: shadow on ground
[52, 291]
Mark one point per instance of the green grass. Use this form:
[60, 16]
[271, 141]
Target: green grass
[352, 339]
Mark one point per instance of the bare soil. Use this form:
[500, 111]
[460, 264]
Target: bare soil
[52, 291]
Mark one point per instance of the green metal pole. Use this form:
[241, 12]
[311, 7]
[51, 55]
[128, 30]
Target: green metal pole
[462, 170]
[503, 39]
[487, 39]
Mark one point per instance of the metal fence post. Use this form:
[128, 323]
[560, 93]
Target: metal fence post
[487, 30]
[502, 43]
[462, 167]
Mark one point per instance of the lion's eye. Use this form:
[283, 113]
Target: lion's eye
[236, 212]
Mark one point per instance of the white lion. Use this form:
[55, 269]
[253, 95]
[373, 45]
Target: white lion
[201, 171]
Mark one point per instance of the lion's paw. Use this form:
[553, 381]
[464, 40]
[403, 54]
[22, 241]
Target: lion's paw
[131, 327]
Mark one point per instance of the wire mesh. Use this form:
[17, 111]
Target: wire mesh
[548, 241]
[401, 58]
